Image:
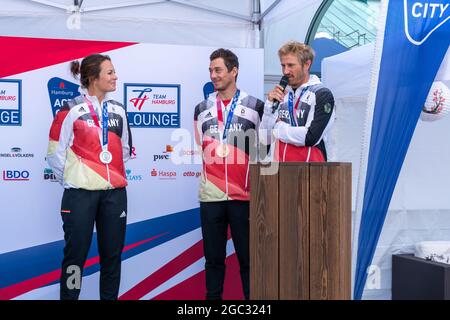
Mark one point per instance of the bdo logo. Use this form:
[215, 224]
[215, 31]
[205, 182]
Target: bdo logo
[16, 175]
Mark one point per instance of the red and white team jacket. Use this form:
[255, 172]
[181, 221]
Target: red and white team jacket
[74, 146]
[315, 115]
[227, 178]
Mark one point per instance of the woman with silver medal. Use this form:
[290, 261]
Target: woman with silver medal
[90, 140]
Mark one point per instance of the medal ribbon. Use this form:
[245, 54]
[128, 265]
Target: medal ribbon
[293, 109]
[104, 137]
[229, 117]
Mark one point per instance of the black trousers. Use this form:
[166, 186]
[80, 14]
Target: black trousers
[80, 209]
[215, 218]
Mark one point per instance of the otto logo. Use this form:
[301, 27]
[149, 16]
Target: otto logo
[165, 155]
[10, 102]
[192, 174]
[153, 105]
[16, 175]
[423, 18]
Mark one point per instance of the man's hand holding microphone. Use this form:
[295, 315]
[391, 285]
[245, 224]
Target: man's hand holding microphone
[277, 94]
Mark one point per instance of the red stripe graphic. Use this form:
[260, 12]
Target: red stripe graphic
[165, 272]
[16, 57]
[192, 288]
[20, 288]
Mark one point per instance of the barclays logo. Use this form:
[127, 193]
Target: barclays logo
[423, 18]
[132, 177]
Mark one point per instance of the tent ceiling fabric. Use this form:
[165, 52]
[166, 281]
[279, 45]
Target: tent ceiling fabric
[185, 22]
[238, 9]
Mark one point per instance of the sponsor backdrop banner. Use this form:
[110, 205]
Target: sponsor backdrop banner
[416, 39]
[160, 86]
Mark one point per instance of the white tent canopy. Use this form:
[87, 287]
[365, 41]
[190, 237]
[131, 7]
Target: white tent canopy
[203, 22]
[231, 23]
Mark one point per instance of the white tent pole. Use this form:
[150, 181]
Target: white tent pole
[272, 6]
[256, 18]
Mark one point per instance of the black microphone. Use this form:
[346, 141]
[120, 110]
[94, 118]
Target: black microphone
[283, 83]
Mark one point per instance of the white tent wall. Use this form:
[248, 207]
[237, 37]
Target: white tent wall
[289, 20]
[420, 206]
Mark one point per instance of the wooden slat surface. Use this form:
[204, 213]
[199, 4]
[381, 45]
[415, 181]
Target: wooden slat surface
[294, 232]
[329, 232]
[264, 255]
[300, 232]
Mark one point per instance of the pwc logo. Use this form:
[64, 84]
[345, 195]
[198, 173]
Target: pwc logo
[16, 175]
[423, 18]
[165, 155]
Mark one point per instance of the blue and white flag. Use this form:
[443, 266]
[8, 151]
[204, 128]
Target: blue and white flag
[410, 48]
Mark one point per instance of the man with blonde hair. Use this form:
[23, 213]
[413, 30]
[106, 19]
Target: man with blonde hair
[301, 122]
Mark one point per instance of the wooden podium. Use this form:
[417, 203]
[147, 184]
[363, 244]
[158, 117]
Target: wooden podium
[300, 232]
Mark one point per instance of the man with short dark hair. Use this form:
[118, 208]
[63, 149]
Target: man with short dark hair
[306, 110]
[226, 125]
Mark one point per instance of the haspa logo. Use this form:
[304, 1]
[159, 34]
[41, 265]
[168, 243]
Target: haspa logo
[16, 152]
[152, 105]
[10, 102]
[164, 175]
[16, 175]
[165, 155]
[60, 91]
